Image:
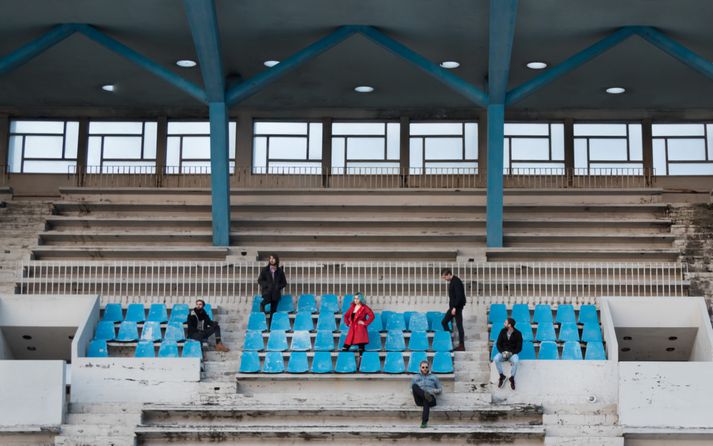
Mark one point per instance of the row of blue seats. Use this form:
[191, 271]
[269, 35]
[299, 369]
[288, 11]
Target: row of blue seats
[308, 302]
[543, 314]
[146, 349]
[385, 321]
[591, 332]
[324, 341]
[548, 351]
[129, 331]
[157, 313]
[346, 363]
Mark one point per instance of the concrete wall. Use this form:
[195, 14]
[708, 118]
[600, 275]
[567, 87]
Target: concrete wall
[44, 310]
[5, 352]
[32, 393]
[85, 329]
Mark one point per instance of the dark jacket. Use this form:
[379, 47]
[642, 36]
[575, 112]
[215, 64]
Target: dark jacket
[456, 293]
[198, 320]
[512, 345]
[268, 284]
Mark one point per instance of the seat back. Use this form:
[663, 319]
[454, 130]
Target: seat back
[396, 321]
[545, 332]
[591, 333]
[347, 302]
[174, 331]
[595, 352]
[378, 323]
[415, 361]
[374, 344]
[168, 349]
[326, 321]
[395, 341]
[97, 349]
[303, 321]
[324, 342]
[112, 313]
[277, 342]
[370, 362]
[322, 362]
[528, 351]
[301, 341]
[394, 363]
[105, 331]
[307, 302]
[521, 314]
[128, 332]
[158, 313]
[442, 341]
[194, 349]
[145, 349]
[257, 301]
[249, 362]
[274, 363]
[280, 321]
[565, 314]
[442, 363]
[135, 313]
[572, 350]
[434, 320]
[329, 302]
[286, 305]
[151, 331]
[346, 363]
[418, 322]
[548, 351]
[568, 332]
[179, 313]
[497, 313]
[257, 321]
[526, 331]
[297, 362]
[253, 341]
[588, 315]
[418, 341]
[543, 314]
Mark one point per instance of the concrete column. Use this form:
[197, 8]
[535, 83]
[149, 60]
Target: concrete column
[326, 151]
[569, 150]
[161, 148]
[244, 144]
[82, 150]
[648, 149]
[220, 173]
[4, 142]
[405, 149]
[482, 147]
[494, 206]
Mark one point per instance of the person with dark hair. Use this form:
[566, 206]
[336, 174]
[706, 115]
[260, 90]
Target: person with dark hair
[271, 280]
[456, 302]
[509, 344]
[425, 386]
[201, 326]
[357, 318]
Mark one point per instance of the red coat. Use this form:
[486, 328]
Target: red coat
[358, 333]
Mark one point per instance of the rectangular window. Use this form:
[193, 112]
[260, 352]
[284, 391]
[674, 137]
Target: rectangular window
[43, 146]
[287, 147]
[443, 147]
[122, 147]
[683, 149]
[188, 147]
[608, 149]
[534, 148]
[365, 148]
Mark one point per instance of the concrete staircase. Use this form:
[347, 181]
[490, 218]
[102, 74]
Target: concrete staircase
[100, 425]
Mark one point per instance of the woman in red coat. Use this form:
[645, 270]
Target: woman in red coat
[357, 318]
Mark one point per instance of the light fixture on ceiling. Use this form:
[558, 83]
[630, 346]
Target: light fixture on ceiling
[616, 90]
[536, 65]
[186, 63]
[364, 89]
[450, 64]
[271, 63]
[109, 87]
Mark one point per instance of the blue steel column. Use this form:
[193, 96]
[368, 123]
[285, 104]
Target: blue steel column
[494, 209]
[219, 172]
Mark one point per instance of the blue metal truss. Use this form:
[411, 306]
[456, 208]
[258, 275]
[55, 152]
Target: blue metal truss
[36, 47]
[676, 50]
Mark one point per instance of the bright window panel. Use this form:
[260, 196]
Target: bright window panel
[285, 147]
[365, 148]
[338, 152]
[115, 128]
[416, 152]
[280, 128]
[506, 153]
[393, 138]
[56, 127]
[636, 145]
[599, 129]
[607, 149]
[677, 130]
[260, 151]
[232, 136]
[659, 156]
[358, 128]
[690, 169]
[471, 141]
[444, 148]
[518, 129]
[196, 147]
[523, 168]
[617, 168]
[557, 141]
[43, 146]
[709, 130]
[49, 166]
[524, 149]
[433, 128]
[687, 149]
[173, 151]
[15, 154]
[315, 141]
[94, 151]
[188, 128]
[150, 136]
[580, 154]
[71, 140]
[122, 147]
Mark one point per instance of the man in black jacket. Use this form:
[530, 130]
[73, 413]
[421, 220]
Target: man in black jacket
[509, 345]
[201, 326]
[271, 280]
[456, 302]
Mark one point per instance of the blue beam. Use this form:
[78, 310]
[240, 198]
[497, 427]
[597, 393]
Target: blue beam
[501, 33]
[220, 173]
[34, 48]
[452, 81]
[142, 61]
[203, 21]
[522, 91]
[251, 86]
[494, 204]
[676, 50]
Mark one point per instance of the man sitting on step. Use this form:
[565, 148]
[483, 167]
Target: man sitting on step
[509, 344]
[201, 327]
[425, 387]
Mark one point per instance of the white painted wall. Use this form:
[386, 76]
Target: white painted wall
[5, 352]
[44, 310]
[31, 393]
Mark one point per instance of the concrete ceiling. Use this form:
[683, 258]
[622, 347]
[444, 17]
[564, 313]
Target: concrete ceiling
[252, 31]
[40, 342]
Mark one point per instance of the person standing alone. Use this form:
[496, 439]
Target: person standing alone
[271, 280]
[456, 302]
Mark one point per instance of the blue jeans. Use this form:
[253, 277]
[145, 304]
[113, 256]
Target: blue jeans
[514, 360]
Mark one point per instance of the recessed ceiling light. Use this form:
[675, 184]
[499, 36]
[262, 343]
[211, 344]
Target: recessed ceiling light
[450, 64]
[186, 63]
[616, 90]
[364, 89]
[108, 87]
[537, 65]
[271, 63]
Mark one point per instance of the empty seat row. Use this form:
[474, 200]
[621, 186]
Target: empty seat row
[324, 341]
[548, 351]
[543, 314]
[307, 302]
[591, 332]
[129, 331]
[146, 349]
[384, 321]
[157, 313]
[322, 362]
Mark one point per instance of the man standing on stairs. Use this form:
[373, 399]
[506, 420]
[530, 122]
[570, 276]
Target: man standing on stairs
[509, 344]
[425, 387]
[271, 280]
[456, 302]
[201, 326]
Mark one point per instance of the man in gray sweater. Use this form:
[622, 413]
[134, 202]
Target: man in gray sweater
[425, 387]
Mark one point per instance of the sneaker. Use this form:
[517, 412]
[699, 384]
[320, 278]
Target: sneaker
[428, 397]
[501, 381]
[220, 347]
[512, 382]
[460, 348]
[424, 425]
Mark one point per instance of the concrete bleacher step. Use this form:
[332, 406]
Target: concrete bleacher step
[583, 240]
[357, 253]
[584, 441]
[107, 239]
[132, 252]
[553, 254]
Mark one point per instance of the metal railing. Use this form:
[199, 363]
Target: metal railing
[485, 282]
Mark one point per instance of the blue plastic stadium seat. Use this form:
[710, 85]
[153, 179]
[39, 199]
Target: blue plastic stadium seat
[303, 321]
[253, 341]
[301, 341]
[145, 349]
[257, 321]
[280, 321]
[521, 314]
[297, 363]
[572, 350]
[307, 302]
[407, 316]
[418, 342]
[249, 361]
[434, 320]
[394, 363]
[168, 349]
[528, 351]
[418, 322]
[158, 313]
[329, 302]
[442, 341]
[591, 333]
[286, 305]
[396, 321]
[326, 321]
[322, 362]
[374, 344]
[274, 363]
[548, 350]
[342, 338]
[595, 352]
[257, 300]
[545, 332]
[498, 313]
[385, 315]
[135, 313]
[179, 313]
[346, 363]
[324, 342]
[378, 323]
[415, 360]
[97, 349]
[174, 331]
[569, 332]
[565, 314]
[588, 315]
[343, 323]
[105, 331]
[347, 302]
[151, 331]
[128, 332]
[543, 314]
[395, 341]
[370, 363]
[495, 332]
[442, 363]
[194, 349]
[209, 311]
[526, 331]
[112, 313]
[277, 342]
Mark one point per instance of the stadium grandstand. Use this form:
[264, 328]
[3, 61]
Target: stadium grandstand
[553, 157]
